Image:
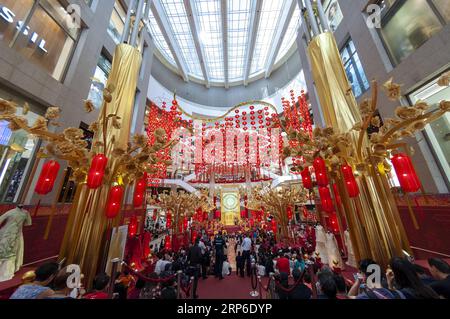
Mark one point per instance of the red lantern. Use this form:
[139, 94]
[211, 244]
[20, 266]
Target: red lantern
[217, 214]
[321, 172]
[290, 214]
[114, 202]
[132, 226]
[252, 222]
[274, 225]
[333, 223]
[350, 181]
[244, 213]
[406, 173]
[168, 243]
[325, 197]
[97, 171]
[168, 220]
[139, 192]
[185, 223]
[306, 179]
[47, 178]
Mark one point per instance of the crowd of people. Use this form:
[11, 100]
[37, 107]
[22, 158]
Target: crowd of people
[295, 273]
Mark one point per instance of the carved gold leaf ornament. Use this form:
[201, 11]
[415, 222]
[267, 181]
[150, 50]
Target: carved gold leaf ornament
[25, 108]
[7, 107]
[393, 90]
[337, 148]
[88, 106]
[444, 80]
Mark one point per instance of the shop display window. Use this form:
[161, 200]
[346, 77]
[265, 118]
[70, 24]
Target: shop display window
[99, 81]
[49, 38]
[17, 151]
[333, 13]
[407, 25]
[117, 22]
[438, 132]
[353, 67]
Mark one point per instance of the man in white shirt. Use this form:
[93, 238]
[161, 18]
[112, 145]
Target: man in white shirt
[246, 248]
[161, 264]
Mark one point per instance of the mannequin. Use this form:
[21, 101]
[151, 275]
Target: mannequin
[11, 241]
[332, 248]
[351, 261]
[321, 241]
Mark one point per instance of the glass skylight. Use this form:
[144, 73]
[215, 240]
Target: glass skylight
[270, 18]
[179, 23]
[291, 33]
[208, 18]
[160, 42]
[238, 37]
[210, 33]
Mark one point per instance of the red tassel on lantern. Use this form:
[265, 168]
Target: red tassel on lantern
[325, 198]
[47, 178]
[306, 179]
[132, 226]
[406, 173]
[350, 181]
[97, 171]
[321, 172]
[114, 201]
[336, 195]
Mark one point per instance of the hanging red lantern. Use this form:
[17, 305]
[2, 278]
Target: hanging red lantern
[168, 243]
[333, 223]
[132, 226]
[406, 173]
[321, 172]
[325, 197]
[47, 178]
[290, 213]
[350, 181]
[139, 192]
[114, 201]
[205, 216]
[274, 225]
[185, 223]
[97, 171]
[306, 179]
[217, 214]
[168, 220]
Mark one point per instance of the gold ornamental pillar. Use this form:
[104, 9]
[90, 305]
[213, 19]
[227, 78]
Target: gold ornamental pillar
[376, 229]
[85, 239]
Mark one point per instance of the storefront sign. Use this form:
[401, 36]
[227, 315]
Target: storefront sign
[8, 16]
[154, 182]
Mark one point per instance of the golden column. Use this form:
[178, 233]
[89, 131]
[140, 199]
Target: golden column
[85, 240]
[375, 226]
